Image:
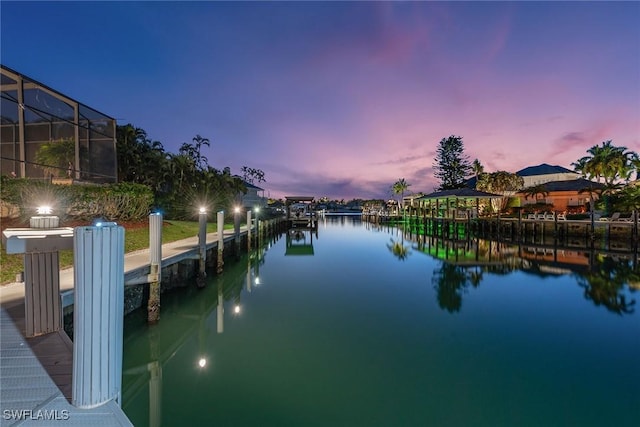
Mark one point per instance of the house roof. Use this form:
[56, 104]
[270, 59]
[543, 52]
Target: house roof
[249, 185]
[572, 185]
[543, 169]
[460, 193]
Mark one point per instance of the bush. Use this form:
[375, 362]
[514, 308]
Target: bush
[121, 202]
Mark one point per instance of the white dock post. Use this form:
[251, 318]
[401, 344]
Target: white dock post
[236, 230]
[202, 246]
[98, 314]
[155, 261]
[249, 229]
[220, 240]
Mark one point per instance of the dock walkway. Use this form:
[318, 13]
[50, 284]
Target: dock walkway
[35, 373]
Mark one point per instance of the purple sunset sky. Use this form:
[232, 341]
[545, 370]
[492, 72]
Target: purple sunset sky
[342, 99]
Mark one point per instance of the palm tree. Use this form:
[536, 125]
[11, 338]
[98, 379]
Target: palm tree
[606, 162]
[609, 163]
[56, 157]
[535, 191]
[477, 169]
[399, 187]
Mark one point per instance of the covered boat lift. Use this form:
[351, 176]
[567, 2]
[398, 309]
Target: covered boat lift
[300, 213]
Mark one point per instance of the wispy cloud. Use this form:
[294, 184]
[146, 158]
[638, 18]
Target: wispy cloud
[403, 160]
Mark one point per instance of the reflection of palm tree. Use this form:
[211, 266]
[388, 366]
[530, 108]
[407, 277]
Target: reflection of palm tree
[475, 277]
[604, 285]
[398, 249]
[450, 283]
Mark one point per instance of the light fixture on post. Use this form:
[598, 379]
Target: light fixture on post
[40, 245]
[44, 218]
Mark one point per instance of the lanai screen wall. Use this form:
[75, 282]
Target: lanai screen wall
[32, 114]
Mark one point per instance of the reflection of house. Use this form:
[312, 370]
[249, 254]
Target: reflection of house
[565, 195]
[33, 114]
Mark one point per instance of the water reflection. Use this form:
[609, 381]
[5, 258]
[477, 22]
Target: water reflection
[190, 313]
[271, 356]
[608, 278]
[300, 241]
[605, 282]
[398, 249]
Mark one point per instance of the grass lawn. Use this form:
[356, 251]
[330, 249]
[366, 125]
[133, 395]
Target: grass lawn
[135, 238]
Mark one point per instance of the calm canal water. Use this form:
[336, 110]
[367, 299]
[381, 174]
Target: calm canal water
[364, 326]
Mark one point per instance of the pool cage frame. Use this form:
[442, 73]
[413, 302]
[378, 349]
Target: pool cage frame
[33, 114]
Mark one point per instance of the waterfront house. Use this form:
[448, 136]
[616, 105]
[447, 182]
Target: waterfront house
[253, 198]
[568, 195]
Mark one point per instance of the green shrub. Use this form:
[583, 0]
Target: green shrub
[121, 202]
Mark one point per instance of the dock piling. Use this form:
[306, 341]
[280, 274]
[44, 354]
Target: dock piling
[155, 255]
[249, 229]
[220, 241]
[98, 315]
[202, 248]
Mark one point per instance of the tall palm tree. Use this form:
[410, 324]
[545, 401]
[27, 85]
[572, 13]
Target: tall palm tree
[477, 169]
[399, 187]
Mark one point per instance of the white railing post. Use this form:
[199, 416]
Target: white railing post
[98, 314]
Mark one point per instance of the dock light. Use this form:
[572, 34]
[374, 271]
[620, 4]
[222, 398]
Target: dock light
[202, 210]
[236, 309]
[257, 280]
[44, 210]
[202, 362]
